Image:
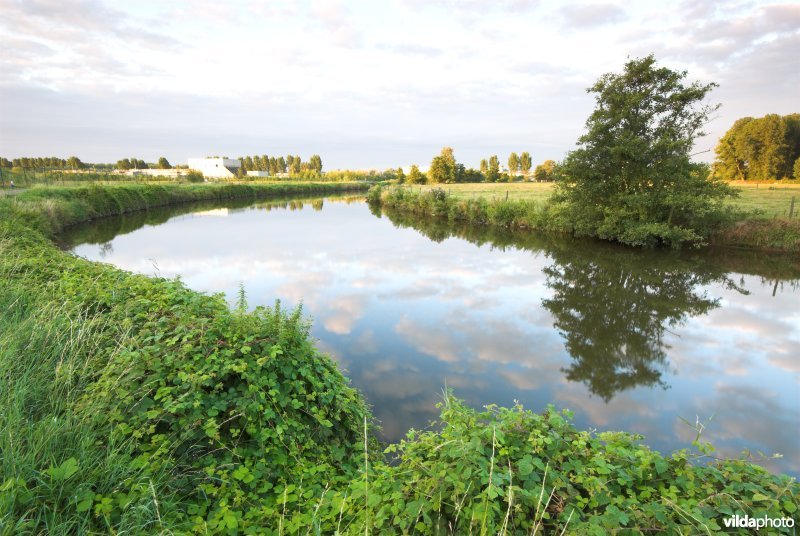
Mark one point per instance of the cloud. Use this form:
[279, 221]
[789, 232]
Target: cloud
[591, 15]
[431, 341]
[749, 414]
[53, 43]
[344, 312]
[335, 17]
[412, 49]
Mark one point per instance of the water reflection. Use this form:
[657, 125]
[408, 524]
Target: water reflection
[407, 306]
[614, 309]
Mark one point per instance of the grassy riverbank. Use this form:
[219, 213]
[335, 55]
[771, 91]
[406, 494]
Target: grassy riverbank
[771, 200]
[135, 405]
[527, 206]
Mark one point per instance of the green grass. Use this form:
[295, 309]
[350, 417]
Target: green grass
[528, 191]
[772, 199]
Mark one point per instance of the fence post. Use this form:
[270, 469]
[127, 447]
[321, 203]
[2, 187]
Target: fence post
[506, 195]
[791, 208]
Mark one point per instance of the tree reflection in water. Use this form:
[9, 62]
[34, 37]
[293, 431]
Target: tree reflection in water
[613, 308]
[612, 305]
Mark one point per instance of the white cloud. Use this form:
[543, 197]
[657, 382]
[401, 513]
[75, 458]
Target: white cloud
[373, 84]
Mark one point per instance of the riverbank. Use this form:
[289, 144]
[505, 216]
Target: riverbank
[133, 404]
[532, 211]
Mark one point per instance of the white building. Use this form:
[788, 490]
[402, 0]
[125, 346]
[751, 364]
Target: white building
[216, 168]
[172, 173]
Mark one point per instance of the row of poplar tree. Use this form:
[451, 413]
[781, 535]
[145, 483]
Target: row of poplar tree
[291, 164]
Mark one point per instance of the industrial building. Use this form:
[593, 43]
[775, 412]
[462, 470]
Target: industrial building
[216, 168]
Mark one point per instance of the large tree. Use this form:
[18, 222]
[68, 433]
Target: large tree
[631, 179]
[443, 167]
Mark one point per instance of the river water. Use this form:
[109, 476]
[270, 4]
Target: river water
[650, 342]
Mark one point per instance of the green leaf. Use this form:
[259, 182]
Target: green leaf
[230, 520]
[64, 471]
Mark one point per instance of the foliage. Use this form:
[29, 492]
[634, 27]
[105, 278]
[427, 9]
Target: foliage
[443, 167]
[631, 179]
[513, 164]
[525, 162]
[415, 176]
[545, 171]
[493, 173]
[511, 471]
[762, 148]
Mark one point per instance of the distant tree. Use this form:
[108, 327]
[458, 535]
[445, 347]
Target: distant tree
[163, 163]
[315, 163]
[544, 171]
[525, 163]
[493, 172]
[731, 163]
[401, 176]
[124, 164]
[5, 163]
[513, 164]
[631, 178]
[73, 162]
[443, 167]
[484, 167]
[282, 165]
[473, 175]
[796, 173]
[296, 165]
[415, 176]
[762, 148]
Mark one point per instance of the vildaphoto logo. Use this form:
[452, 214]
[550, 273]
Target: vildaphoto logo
[747, 522]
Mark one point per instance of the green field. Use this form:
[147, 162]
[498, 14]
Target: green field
[772, 199]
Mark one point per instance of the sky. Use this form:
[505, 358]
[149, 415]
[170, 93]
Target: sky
[364, 83]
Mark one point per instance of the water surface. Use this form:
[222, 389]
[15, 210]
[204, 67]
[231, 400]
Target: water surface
[629, 340]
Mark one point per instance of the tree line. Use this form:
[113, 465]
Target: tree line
[764, 148]
[38, 162]
[291, 164]
[137, 163]
[444, 169]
